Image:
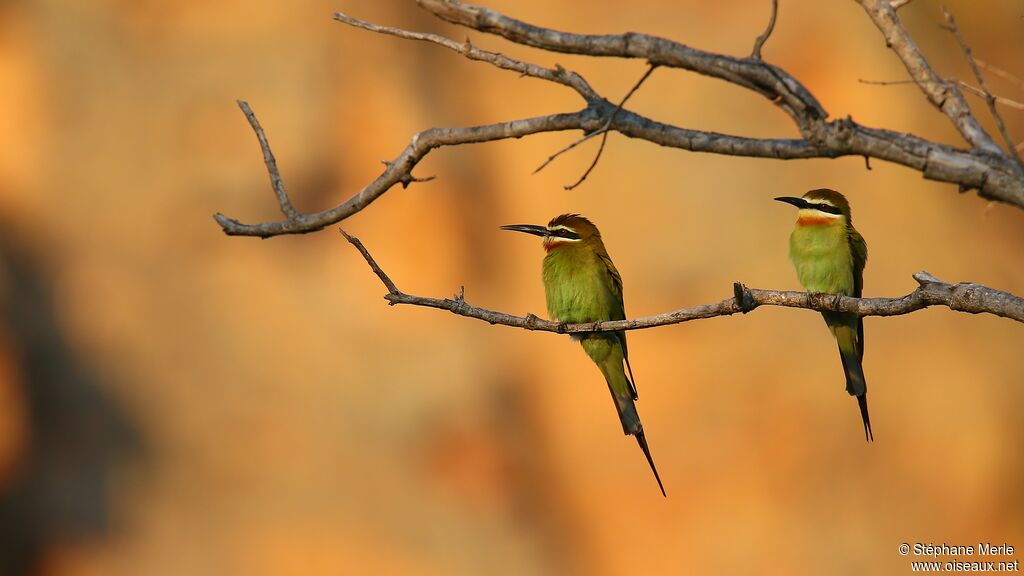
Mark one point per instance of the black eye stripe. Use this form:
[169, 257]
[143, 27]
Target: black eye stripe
[827, 208]
[564, 233]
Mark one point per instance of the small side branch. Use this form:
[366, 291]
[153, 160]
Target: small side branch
[963, 297]
[759, 43]
[972, 89]
[558, 74]
[268, 158]
[1001, 73]
[392, 289]
[995, 99]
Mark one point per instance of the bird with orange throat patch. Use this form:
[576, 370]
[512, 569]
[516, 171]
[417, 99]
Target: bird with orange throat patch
[829, 256]
[582, 285]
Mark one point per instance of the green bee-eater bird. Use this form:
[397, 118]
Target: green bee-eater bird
[582, 285]
[829, 256]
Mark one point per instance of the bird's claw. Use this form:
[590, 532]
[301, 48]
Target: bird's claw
[744, 300]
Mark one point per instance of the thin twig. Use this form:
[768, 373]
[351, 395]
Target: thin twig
[995, 99]
[283, 200]
[759, 43]
[593, 163]
[565, 149]
[990, 100]
[392, 289]
[604, 130]
[897, 4]
[886, 82]
[557, 74]
[972, 89]
[1001, 73]
[963, 297]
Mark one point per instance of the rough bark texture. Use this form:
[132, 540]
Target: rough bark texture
[996, 174]
[984, 166]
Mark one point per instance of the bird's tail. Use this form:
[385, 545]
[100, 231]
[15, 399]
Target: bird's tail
[641, 440]
[631, 424]
[862, 401]
[856, 384]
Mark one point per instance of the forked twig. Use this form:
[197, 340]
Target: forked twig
[990, 100]
[603, 132]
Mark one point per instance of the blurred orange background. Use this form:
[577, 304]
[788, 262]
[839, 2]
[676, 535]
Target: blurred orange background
[234, 406]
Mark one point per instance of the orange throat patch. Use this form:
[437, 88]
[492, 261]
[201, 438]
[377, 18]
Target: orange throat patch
[814, 220]
[552, 243]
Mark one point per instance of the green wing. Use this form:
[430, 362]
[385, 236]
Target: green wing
[859, 251]
[618, 312]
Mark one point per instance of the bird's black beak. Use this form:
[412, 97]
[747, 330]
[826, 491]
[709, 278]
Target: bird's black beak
[798, 202]
[528, 228]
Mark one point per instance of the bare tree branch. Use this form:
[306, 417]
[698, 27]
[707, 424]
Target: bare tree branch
[986, 167]
[963, 297]
[400, 169]
[759, 43]
[268, 158]
[944, 95]
[989, 98]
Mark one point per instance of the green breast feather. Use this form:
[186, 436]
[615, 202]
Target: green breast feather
[579, 286]
[823, 259]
